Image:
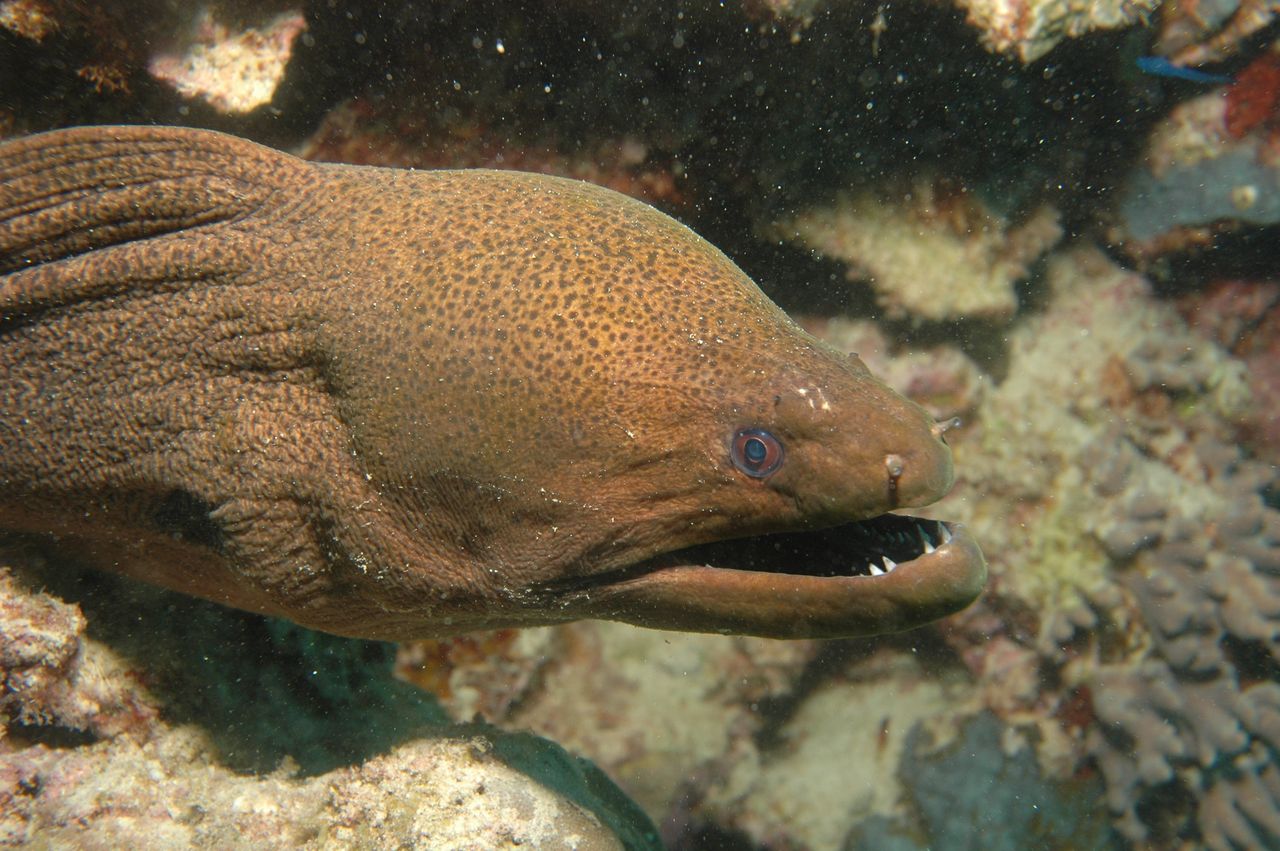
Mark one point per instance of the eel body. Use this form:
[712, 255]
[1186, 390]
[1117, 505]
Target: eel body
[392, 404]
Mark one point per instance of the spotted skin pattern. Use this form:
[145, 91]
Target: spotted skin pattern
[392, 404]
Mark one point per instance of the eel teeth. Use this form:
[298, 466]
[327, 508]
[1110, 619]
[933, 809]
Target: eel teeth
[924, 540]
[946, 533]
[875, 569]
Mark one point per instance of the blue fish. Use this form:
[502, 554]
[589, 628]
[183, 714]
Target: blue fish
[1161, 67]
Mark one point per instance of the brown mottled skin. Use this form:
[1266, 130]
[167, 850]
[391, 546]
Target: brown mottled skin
[392, 404]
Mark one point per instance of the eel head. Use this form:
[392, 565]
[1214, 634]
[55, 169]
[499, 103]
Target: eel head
[635, 432]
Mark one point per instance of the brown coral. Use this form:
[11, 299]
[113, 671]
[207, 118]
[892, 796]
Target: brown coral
[1193, 715]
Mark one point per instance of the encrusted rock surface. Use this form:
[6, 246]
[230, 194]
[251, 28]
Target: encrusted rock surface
[835, 762]
[1198, 182]
[928, 252]
[51, 675]
[655, 709]
[169, 792]
[88, 760]
[234, 69]
[1029, 29]
[1145, 553]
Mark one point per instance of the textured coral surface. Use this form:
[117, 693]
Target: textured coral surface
[1203, 175]
[88, 759]
[897, 243]
[235, 71]
[1031, 28]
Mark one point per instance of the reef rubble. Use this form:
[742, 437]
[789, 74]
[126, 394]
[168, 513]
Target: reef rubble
[89, 758]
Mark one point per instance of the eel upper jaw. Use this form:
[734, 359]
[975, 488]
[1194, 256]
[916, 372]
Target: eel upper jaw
[886, 574]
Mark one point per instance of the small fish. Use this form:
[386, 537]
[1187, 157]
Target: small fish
[1160, 67]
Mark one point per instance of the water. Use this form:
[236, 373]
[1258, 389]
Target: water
[1074, 257]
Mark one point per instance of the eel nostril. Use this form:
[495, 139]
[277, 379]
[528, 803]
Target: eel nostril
[894, 465]
[941, 427]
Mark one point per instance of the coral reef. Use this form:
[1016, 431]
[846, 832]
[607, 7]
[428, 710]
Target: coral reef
[1198, 181]
[1154, 574]
[1244, 318]
[980, 792]
[234, 70]
[901, 245]
[1198, 32]
[1104, 365]
[1195, 723]
[1133, 613]
[1121, 668]
[90, 757]
[1031, 28]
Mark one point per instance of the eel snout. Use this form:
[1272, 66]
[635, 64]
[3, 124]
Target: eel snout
[886, 573]
[842, 565]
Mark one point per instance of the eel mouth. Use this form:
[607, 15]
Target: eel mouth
[884, 574]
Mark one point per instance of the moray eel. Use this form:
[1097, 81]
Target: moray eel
[392, 404]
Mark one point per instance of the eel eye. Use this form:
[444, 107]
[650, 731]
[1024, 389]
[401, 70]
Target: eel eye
[756, 452]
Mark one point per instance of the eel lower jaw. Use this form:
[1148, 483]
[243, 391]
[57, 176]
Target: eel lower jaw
[886, 574]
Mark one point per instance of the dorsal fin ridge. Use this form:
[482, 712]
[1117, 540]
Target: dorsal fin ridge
[69, 192]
